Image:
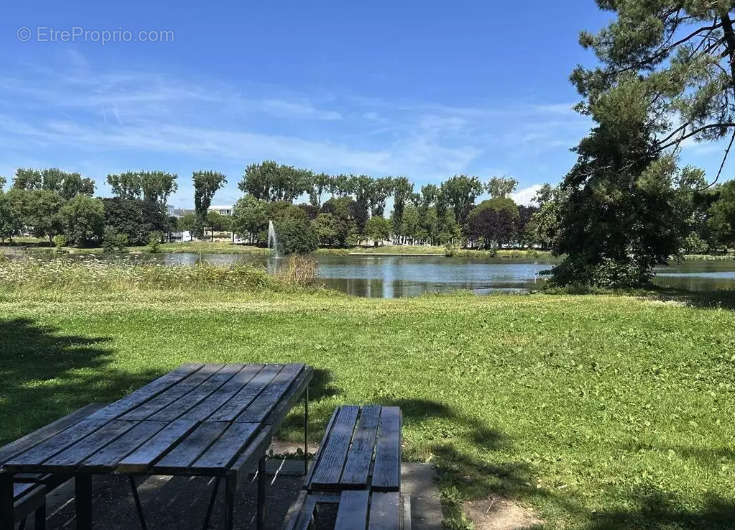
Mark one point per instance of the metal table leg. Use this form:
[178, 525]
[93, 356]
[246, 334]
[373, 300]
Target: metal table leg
[83, 501]
[261, 498]
[306, 429]
[7, 513]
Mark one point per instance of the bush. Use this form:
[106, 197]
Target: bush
[59, 241]
[83, 219]
[295, 236]
[154, 242]
[299, 271]
[608, 274]
[114, 241]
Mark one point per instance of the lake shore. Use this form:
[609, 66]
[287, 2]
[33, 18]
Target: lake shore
[545, 399]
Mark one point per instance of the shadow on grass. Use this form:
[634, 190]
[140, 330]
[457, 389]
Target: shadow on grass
[46, 374]
[701, 299]
[654, 508]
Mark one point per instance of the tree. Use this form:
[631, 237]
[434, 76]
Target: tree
[206, 184]
[40, 212]
[326, 229]
[619, 215]
[379, 191]
[495, 222]
[66, 185]
[362, 187]
[134, 218]
[402, 191]
[83, 220]
[153, 186]
[218, 222]
[10, 224]
[500, 187]
[459, 193]
[319, 183]
[721, 217]
[270, 181]
[250, 218]
[187, 222]
[378, 228]
[681, 56]
[544, 225]
[343, 211]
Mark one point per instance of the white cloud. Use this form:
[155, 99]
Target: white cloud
[526, 195]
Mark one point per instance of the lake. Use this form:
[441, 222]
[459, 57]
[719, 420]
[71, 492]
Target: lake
[399, 276]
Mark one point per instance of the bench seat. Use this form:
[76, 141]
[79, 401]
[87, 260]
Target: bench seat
[29, 489]
[355, 510]
[361, 449]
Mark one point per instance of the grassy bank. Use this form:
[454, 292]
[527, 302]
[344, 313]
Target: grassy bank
[596, 411]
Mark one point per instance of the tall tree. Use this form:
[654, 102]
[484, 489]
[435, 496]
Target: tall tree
[500, 187]
[403, 189]
[681, 53]
[319, 183]
[459, 193]
[270, 181]
[152, 186]
[206, 184]
[66, 185]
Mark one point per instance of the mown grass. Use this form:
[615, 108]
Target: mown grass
[596, 411]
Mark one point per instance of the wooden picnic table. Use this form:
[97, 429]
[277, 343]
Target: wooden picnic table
[200, 419]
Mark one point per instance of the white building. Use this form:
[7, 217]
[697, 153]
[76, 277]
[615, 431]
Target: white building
[222, 210]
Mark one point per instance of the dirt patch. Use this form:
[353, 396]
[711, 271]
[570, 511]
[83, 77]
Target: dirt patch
[497, 513]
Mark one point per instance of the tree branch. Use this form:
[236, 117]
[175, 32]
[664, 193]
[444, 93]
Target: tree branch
[691, 133]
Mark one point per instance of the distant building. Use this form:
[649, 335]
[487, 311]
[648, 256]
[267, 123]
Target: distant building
[222, 210]
[178, 212]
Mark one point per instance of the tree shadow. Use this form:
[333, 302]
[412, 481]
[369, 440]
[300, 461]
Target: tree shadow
[716, 299]
[653, 508]
[47, 374]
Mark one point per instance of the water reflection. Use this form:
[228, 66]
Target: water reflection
[401, 276]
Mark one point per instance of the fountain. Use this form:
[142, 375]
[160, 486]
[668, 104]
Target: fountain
[272, 240]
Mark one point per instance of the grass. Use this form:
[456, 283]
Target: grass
[596, 411]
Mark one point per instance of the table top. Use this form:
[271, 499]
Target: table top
[197, 419]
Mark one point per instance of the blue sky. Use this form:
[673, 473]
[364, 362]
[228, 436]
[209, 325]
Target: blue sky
[421, 89]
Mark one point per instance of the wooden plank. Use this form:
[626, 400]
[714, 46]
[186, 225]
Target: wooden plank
[199, 394]
[387, 467]
[152, 389]
[29, 440]
[332, 460]
[157, 446]
[54, 445]
[352, 512]
[171, 394]
[223, 452]
[181, 457]
[385, 513]
[223, 394]
[251, 455]
[287, 401]
[322, 444]
[108, 457]
[360, 455]
[269, 398]
[230, 410]
[68, 459]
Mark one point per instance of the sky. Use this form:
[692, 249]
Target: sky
[423, 89]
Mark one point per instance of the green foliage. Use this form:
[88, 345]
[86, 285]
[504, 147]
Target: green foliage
[269, 181]
[66, 185]
[10, 219]
[113, 241]
[135, 218]
[494, 222]
[250, 218]
[459, 193]
[59, 241]
[720, 217]
[206, 184]
[153, 186]
[342, 210]
[378, 228]
[83, 220]
[681, 57]
[500, 187]
[38, 210]
[154, 242]
[326, 229]
[295, 235]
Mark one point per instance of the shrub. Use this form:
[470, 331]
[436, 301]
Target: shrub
[59, 241]
[299, 271]
[113, 241]
[154, 242]
[295, 236]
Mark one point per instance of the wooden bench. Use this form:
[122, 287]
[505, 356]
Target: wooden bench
[27, 491]
[356, 473]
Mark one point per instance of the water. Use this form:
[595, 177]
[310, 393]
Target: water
[400, 276]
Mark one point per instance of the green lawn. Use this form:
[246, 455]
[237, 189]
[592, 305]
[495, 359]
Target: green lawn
[595, 411]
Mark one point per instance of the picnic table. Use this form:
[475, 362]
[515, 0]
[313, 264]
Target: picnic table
[199, 420]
